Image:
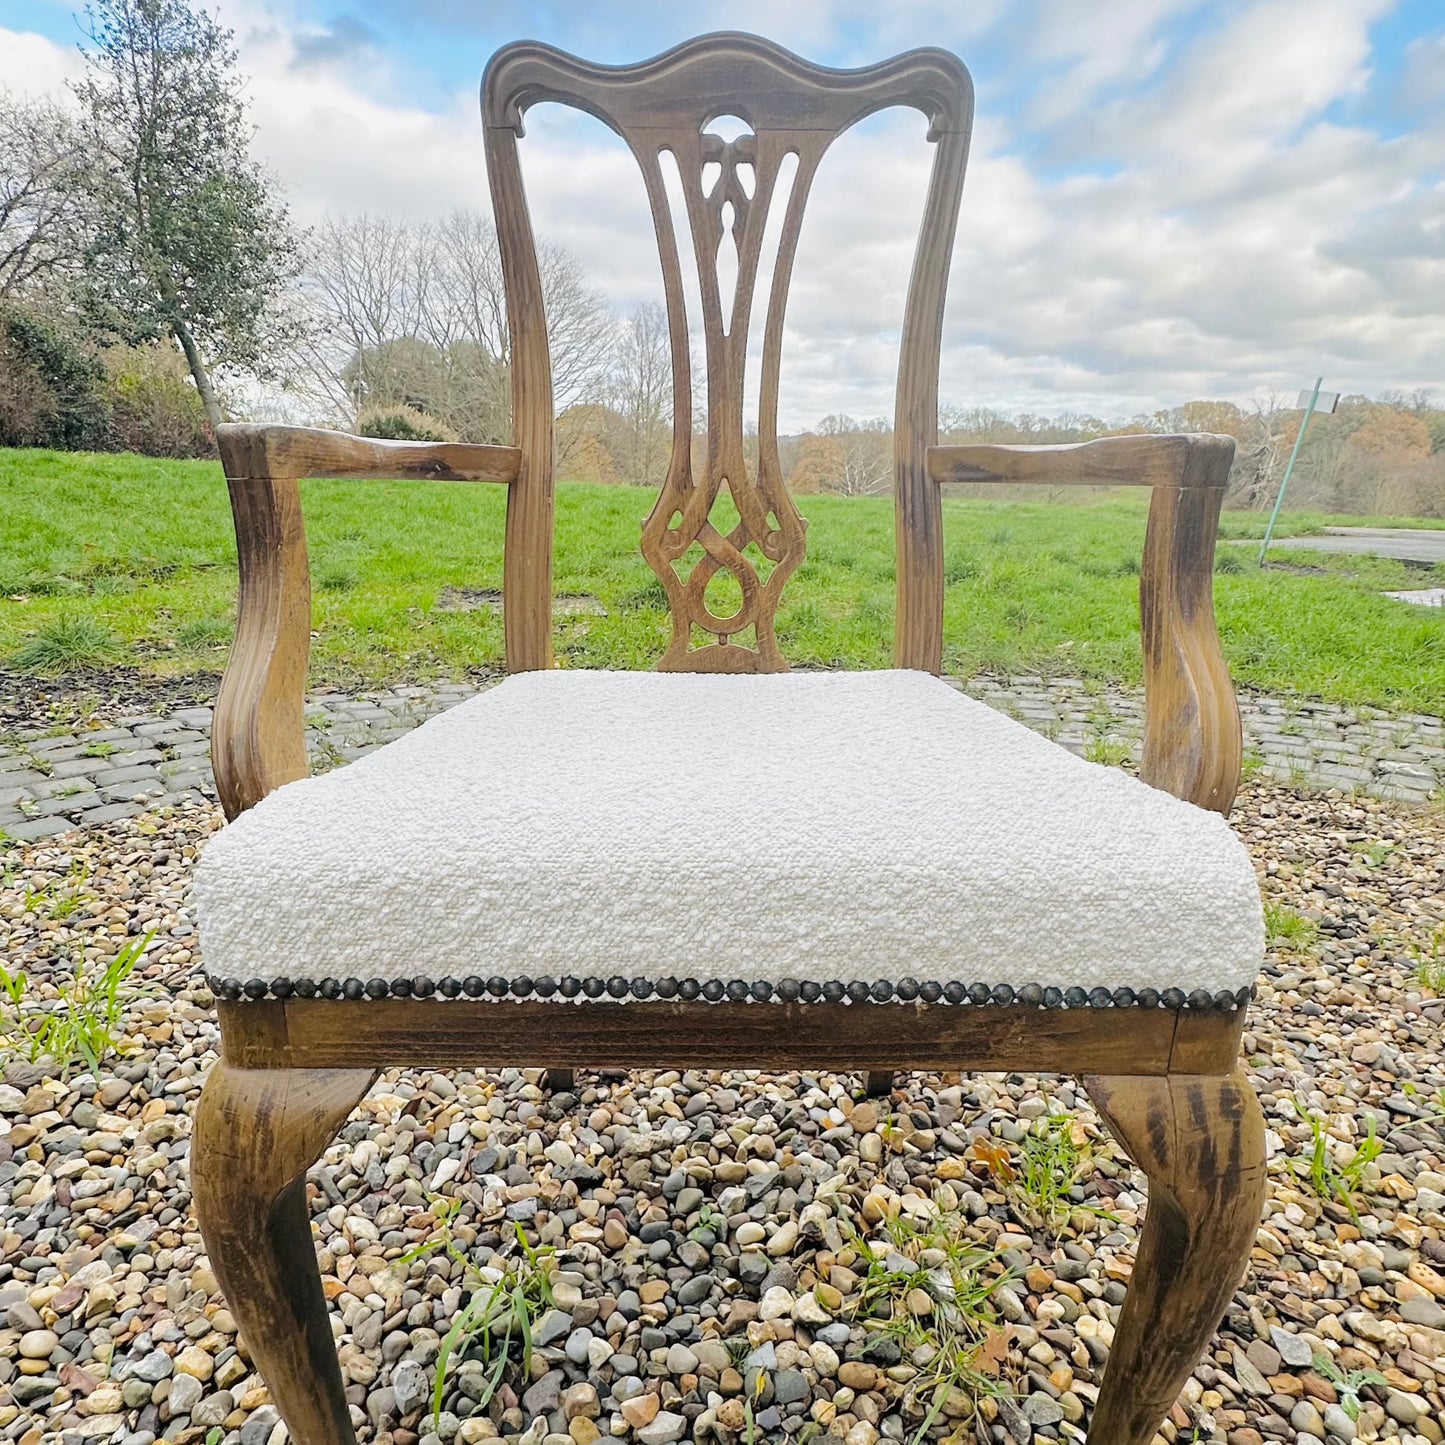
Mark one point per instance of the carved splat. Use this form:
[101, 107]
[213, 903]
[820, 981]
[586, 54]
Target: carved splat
[666, 107]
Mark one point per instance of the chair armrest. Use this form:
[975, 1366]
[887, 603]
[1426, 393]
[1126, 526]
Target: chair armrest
[258, 735]
[1192, 739]
[1145, 460]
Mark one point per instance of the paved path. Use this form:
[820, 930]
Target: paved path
[1405, 544]
[51, 781]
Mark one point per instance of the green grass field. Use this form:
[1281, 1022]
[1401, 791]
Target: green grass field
[131, 561]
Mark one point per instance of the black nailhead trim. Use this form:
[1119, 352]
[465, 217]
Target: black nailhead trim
[858, 991]
[570, 986]
[641, 988]
[834, 992]
[617, 986]
[1244, 996]
[281, 988]
[1100, 998]
[737, 990]
[1075, 997]
[230, 988]
[1173, 998]
[689, 989]
[423, 987]
[1224, 1000]
[545, 987]
[1148, 998]
[473, 986]
[762, 990]
[789, 990]
[330, 988]
[1124, 998]
[881, 991]
[377, 988]
[1200, 998]
[955, 992]
[908, 989]
[594, 987]
[667, 988]
[449, 987]
[930, 990]
[1002, 993]
[254, 988]
[498, 987]
[401, 988]
[978, 993]
[521, 987]
[353, 988]
[1032, 994]
[305, 988]
[1053, 997]
[714, 990]
[810, 990]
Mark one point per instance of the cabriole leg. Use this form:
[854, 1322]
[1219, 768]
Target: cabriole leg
[256, 1134]
[1201, 1142]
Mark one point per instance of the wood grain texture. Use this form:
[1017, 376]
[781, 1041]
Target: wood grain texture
[258, 733]
[301, 451]
[531, 502]
[462, 1033]
[258, 739]
[256, 1134]
[1193, 741]
[1183, 459]
[664, 107]
[1193, 744]
[917, 506]
[1201, 1142]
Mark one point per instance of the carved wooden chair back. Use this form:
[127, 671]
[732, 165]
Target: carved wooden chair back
[664, 110]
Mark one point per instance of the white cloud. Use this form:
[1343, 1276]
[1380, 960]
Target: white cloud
[1238, 236]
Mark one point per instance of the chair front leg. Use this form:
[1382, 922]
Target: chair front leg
[256, 1134]
[1200, 1139]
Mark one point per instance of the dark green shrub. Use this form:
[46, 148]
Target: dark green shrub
[50, 385]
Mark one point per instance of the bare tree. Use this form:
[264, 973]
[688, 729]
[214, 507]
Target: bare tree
[866, 454]
[642, 395]
[44, 215]
[415, 314]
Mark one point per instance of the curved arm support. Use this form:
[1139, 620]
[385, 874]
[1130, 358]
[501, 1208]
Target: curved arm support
[1193, 745]
[258, 736]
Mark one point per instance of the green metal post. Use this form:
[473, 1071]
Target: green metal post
[1289, 467]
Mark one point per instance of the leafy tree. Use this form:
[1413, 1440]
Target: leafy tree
[191, 243]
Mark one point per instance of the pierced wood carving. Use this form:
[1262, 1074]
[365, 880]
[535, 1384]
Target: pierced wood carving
[666, 107]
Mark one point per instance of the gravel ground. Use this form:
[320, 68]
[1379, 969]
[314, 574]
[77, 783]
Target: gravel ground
[711, 1230]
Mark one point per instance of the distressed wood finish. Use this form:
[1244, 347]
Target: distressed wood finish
[873, 1038]
[258, 736]
[292, 1070]
[1201, 1142]
[1193, 745]
[664, 107]
[256, 1134]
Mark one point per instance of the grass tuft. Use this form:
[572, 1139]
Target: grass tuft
[68, 641]
[1287, 928]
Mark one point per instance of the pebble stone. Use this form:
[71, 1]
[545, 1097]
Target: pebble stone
[711, 1233]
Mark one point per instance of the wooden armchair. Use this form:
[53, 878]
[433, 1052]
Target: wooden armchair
[894, 877]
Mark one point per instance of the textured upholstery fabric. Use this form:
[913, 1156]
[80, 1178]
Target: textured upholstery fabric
[806, 826]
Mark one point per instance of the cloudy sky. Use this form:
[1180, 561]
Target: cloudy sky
[1166, 199]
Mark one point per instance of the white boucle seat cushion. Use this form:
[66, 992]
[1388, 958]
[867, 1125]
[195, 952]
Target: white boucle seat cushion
[803, 826]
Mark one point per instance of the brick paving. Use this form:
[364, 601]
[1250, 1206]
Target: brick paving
[52, 780]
